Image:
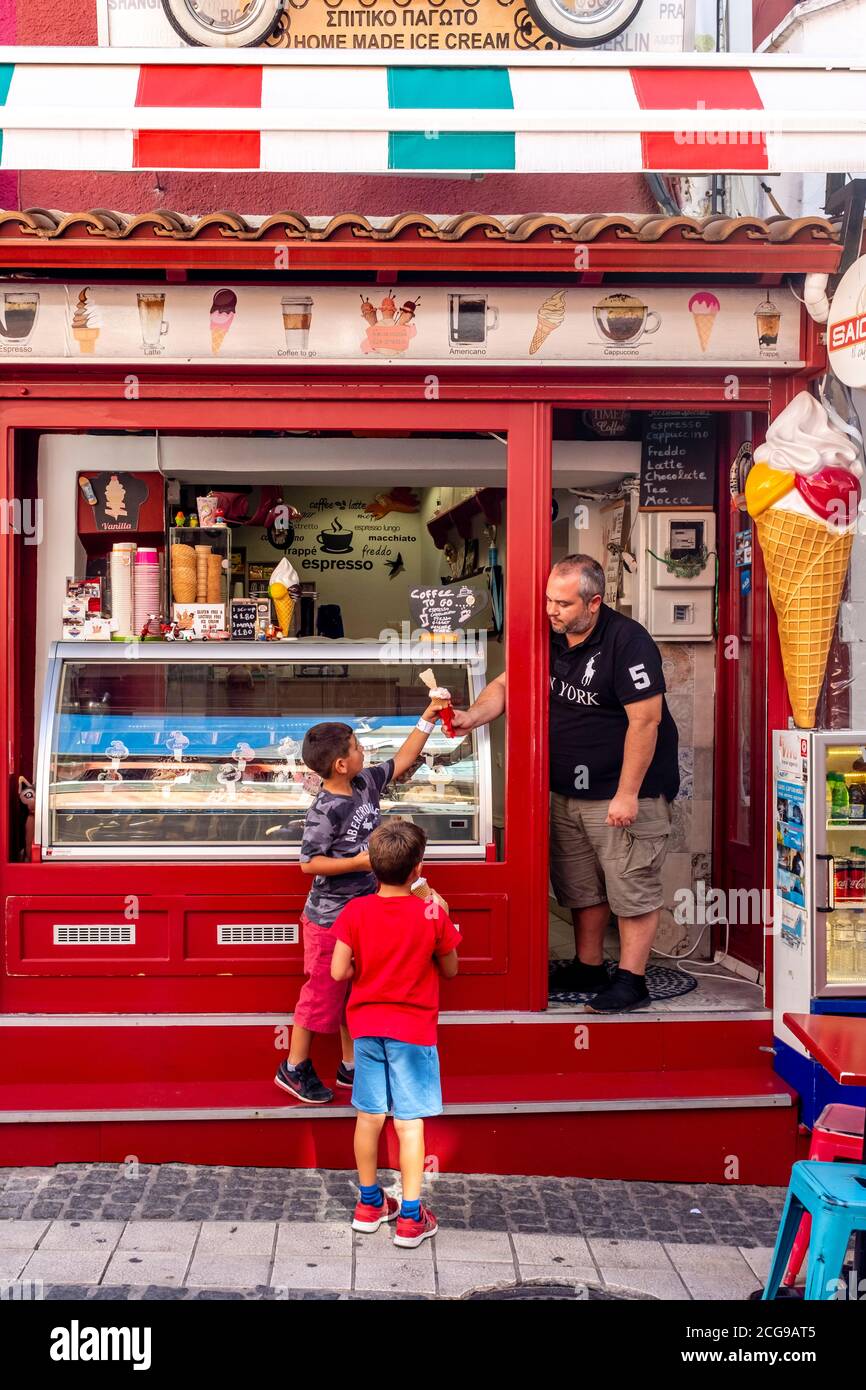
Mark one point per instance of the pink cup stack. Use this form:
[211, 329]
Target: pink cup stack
[146, 586]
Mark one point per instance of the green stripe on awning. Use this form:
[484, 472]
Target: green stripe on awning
[461, 89]
[6, 71]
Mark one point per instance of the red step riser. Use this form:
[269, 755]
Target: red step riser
[108, 1054]
[648, 1146]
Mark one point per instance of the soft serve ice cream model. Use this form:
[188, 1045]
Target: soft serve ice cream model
[803, 494]
[284, 590]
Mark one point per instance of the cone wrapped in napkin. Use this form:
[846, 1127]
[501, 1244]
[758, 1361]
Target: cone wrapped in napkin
[284, 590]
[803, 494]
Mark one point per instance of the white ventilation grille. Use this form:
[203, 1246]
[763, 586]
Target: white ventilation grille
[101, 934]
[258, 934]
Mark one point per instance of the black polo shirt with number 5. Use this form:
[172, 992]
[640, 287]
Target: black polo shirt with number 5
[590, 686]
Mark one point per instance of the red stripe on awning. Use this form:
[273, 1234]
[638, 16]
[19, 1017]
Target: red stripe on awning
[196, 149]
[664, 89]
[164, 85]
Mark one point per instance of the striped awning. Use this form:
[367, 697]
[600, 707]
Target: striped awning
[303, 111]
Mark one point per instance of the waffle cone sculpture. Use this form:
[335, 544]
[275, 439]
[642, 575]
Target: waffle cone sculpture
[803, 494]
[284, 589]
[284, 608]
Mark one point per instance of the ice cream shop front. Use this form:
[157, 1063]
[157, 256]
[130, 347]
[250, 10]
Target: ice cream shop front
[241, 500]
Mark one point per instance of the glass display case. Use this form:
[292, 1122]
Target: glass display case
[193, 750]
[841, 844]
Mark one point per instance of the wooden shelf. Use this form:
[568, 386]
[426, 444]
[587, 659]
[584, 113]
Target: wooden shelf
[486, 502]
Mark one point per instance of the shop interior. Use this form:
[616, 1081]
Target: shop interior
[192, 742]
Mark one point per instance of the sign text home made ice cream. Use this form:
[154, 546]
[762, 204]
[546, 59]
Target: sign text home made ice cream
[682, 326]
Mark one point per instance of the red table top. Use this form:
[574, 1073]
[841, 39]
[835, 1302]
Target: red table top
[837, 1041]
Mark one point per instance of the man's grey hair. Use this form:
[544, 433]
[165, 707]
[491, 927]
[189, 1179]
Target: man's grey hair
[591, 574]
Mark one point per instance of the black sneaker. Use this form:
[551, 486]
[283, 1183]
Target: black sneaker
[345, 1075]
[303, 1083]
[624, 993]
[573, 977]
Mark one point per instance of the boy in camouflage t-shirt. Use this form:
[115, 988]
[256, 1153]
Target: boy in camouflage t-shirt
[334, 848]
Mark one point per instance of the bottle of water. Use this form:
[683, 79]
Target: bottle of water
[860, 948]
[842, 947]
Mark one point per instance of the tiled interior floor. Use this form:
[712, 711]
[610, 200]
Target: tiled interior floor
[719, 990]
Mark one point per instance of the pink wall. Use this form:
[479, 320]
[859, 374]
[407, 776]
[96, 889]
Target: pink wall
[54, 22]
[766, 14]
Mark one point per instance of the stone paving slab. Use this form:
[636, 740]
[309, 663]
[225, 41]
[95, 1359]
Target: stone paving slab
[163, 1267]
[402, 1275]
[164, 1237]
[702, 1214]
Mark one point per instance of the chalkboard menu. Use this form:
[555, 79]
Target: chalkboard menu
[249, 618]
[451, 608]
[678, 460]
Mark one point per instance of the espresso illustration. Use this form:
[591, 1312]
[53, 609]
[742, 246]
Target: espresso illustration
[19, 315]
[624, 319]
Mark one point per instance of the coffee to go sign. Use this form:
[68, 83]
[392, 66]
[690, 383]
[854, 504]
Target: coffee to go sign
[634, 25]
[846, 330]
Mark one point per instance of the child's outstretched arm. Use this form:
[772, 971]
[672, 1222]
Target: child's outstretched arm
[413, 747]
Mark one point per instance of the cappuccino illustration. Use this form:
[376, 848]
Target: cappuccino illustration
[624, 319]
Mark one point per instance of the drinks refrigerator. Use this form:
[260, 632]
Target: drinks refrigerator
[819, 898]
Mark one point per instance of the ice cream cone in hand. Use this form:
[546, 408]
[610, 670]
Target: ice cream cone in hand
[803, 494]
[284, 590]
[550, 315]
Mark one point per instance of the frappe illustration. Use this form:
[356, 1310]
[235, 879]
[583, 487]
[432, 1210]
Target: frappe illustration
[222, 314]
[703, 308]
[803, 494]
[86, 321]
[768, 319]
[550, 316]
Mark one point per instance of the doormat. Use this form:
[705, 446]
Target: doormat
[662, 981]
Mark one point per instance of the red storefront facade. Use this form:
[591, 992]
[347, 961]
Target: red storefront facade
[167, 1051]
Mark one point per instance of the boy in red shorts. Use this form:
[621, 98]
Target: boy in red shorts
[394, 946]
[334, 849]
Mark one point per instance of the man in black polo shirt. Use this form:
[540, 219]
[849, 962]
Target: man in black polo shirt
[613, 773]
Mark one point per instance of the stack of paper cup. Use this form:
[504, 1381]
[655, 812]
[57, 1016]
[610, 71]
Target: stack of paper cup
[202, 554]
[121, 566]
[183, 573]
[146, 588]
[214, 579]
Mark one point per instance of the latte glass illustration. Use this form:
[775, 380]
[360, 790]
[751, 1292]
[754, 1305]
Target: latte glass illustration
[768, 319]
[624, 319]
[151, 310]
[20, 308]
[470, 319]
[297, 317]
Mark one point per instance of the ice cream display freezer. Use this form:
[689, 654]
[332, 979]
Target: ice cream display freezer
[161, 751]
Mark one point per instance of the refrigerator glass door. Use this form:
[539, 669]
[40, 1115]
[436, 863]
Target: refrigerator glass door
[840, 825]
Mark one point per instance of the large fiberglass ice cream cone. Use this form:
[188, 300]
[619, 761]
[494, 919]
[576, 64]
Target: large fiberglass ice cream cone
[803, 494]
[284, 590]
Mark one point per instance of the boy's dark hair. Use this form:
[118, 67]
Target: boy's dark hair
[396, 846]
[324, 744]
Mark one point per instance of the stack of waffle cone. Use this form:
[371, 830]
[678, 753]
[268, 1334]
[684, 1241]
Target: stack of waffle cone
[182, 574]
[202, 554]
[284, 608]
[214, 579]
[806, 565]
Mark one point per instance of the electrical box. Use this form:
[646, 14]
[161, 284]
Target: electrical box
[678, 574]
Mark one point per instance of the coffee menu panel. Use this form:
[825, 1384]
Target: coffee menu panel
[666, 326]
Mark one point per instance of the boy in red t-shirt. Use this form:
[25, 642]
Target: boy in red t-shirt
[393, 946]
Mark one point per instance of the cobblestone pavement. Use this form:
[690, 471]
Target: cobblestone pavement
[136, 1231]
[700, 1214]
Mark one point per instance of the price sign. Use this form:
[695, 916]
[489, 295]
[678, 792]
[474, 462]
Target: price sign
[243, 619]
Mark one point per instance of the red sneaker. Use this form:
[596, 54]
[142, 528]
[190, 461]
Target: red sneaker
[370, 1218]
[411, 1233]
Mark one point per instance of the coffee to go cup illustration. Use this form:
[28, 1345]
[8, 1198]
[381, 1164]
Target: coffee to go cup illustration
[337, 541]
[624, 319]
[297, 317]
[151, 317]
[20, 308]
[470, 319]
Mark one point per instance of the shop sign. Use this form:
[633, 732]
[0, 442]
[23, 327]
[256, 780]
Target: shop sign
[846, 330]
[477, 26]
[660, 326]
[445, 611]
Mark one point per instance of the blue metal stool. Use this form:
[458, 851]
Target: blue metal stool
[834, 1195]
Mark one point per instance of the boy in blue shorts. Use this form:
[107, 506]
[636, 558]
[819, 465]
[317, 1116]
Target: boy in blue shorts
[393, 946]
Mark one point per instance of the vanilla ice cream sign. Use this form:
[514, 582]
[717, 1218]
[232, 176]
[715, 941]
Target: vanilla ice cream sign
[846, 332]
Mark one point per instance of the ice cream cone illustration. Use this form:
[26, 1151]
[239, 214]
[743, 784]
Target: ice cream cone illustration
[284, 590]
[550, 316]
[803, 494]
[703, 308]
[86, 322]
[222, 313]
